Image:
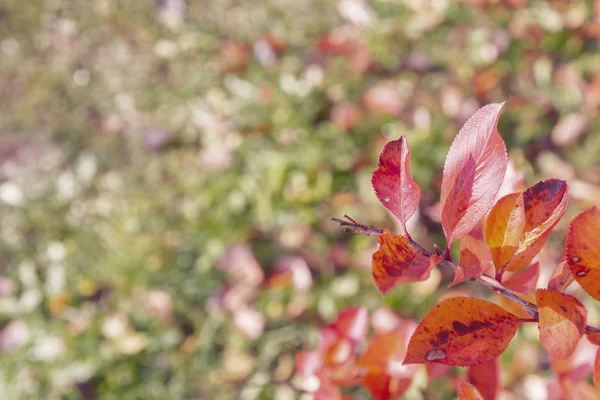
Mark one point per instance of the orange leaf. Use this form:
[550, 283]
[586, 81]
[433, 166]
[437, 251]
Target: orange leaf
[462, 331]
[386, 377]
[392, 181]
[473, 172]
[396, 261]
[475, 259]
[561, 277]
[486, 378]
[504, 227]
[545, 203]
[583, 251]
[562, 322]
[467, 391]
[524, 281]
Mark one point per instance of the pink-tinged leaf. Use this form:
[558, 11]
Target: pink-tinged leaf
[596, 374]
[486, 378]
[504, 227]
[353, 323]
[524, 281]
[392, 181]
[473, 172]
[562, 322]
[545, 203]
[583, 251]
[475, 260]
[466, 391]
[462, 331]
[561, 277]
[396, 262]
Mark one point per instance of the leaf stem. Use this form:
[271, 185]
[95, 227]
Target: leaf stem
[491, 283]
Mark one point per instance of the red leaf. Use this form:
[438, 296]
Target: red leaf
[467, 391]
[486, 378]
[473, 172]
[525, 280]
[562, 322]
[561, 277]
[392, 181]
[396, 261]
[462, 331]
[583, 251]
[475, 260]
[545, 203]
[353, 323]
[386, 377]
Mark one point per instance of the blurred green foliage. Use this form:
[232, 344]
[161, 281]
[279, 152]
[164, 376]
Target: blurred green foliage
[140, 141]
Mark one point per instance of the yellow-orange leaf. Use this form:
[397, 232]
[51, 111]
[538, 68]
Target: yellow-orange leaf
[475, 260]
[583, 251]
[396, 262]
[467, 391]
[562, 322]
[462, 331]
[545, 203]
[504, 227]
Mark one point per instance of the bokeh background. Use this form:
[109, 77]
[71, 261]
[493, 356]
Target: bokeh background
[168, 171]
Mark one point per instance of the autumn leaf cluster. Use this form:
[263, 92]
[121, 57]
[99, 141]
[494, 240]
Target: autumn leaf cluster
[500, 237]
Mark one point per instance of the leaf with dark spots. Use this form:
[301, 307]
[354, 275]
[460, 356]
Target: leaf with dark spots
[393, 183]
[473, 172]
[561, 323]
[396, 262]
[550, 196]
[561, 277]
[582, 251]
[472, 331]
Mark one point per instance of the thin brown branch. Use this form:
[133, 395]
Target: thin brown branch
[491, 283]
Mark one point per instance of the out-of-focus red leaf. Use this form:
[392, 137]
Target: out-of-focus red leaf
[486, 378]
[327, 390]
[396, 261]
[524, 281]
[583, 251]
[241, 265]
[383, 99]
[475, 260]
[291, 272]
[579, 365]
[545, 203]
[392, 181]
[462, 331]
[386, 377]
[346, 115]
[436, 371]
[561, 277]
[353, 323]
[504, 227]
[384, 320]
[561, 323]
[467, 391]
[473, 172]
